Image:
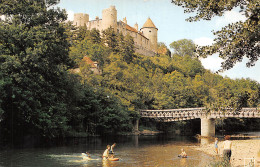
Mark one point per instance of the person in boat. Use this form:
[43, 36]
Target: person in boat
[183, 154]
[111, 151]
[86, 156]
[216, 145]
[227, 148]
[106, 153]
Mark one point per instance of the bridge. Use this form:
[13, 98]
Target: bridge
[207, 117]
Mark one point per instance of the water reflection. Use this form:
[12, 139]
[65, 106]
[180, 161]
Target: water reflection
[105, 163]
[136, 137]
[183, 161]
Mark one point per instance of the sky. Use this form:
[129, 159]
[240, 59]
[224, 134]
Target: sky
[171, 24]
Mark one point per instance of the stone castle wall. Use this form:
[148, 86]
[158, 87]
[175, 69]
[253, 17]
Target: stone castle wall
[97, 24]
[142, 43]
[80, 19]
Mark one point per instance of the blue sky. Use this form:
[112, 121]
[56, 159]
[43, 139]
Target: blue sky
[171, 24]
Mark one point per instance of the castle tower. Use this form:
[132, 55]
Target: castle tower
[109, 18]
[150, 31]
[80, 19]
[124, 20]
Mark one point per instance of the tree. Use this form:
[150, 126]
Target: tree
[127, 50]
[120, 42]
[3, 83]
[80, 33]
[235, 41]
[90, 47]
[184, 47]
[95, 36]
[98, 112]
[162, 49]
[33, 63]
[110, 39]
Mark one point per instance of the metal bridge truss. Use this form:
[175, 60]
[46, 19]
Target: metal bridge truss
[171, 115]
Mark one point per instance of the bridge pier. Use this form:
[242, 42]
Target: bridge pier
[136, 125]
[207, 127]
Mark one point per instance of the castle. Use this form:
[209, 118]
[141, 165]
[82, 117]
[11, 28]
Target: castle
[145, 39]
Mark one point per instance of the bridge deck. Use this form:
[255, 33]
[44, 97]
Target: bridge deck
[170, 115]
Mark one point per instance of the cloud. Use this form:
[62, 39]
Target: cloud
[239, 71]
[213, 62]
[229, 17]
[203, 41]
[70, 15]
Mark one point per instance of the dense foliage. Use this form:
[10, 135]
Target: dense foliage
[162, 82]
[39, 95]
[234, 41]
[49, 88]
[34, 59]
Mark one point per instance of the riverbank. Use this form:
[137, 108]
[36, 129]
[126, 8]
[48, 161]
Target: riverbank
[241, 149]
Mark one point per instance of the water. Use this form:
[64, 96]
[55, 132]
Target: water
[160, 150]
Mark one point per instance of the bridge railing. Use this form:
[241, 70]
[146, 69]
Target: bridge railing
[179, 109]
[194, 113]
[174, 114]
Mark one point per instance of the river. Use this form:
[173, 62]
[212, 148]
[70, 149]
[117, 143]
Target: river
[159, 150]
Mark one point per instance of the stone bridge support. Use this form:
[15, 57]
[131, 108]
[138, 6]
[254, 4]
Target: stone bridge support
[207, 127]
[136, 125]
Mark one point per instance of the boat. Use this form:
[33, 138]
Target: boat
[113, 159]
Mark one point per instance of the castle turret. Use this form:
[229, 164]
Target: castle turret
[150, 31]
[80, 19]
[109, 18]
[124, 20]
[136, 26]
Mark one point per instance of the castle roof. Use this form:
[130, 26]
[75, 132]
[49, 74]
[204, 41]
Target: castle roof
[130, 28]
[149, 24]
